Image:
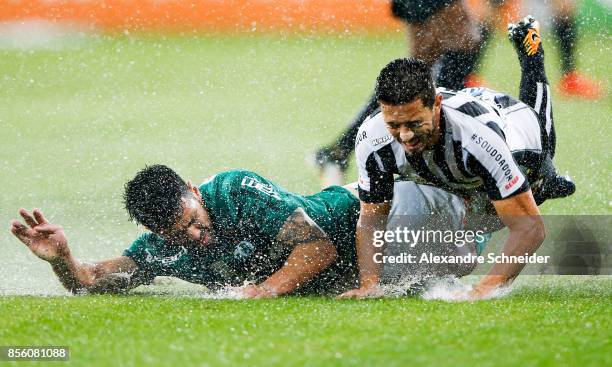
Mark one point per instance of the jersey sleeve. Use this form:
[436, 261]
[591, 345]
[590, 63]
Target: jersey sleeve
[488, 156]
[139, 251]
[375, 183]
[259, 202]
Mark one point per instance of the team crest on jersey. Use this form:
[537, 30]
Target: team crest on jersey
[254, 183]
[244, 250]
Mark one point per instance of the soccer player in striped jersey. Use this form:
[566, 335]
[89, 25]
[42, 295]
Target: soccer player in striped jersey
[491, 150]
[444, 34]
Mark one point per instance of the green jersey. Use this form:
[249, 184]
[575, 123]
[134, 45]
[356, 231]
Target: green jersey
[247, 212]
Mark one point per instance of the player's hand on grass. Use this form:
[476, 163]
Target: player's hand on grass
[459, 295]
[363, 292]
[45, 240]
[481, 292]
[474, 294]
[253, 291]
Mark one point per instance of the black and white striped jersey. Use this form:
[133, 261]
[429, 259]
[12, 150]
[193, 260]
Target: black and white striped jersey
[490, 142]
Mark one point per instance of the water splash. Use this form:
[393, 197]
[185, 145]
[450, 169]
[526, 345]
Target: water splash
[451, 289]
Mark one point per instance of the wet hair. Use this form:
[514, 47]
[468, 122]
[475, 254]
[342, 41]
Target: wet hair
[404, 81]
[153, 197]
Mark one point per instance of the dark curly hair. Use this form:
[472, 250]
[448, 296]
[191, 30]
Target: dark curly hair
[153, 197]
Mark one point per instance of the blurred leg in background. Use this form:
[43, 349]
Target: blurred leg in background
[573, 83]
[492, 15]
[564, 28]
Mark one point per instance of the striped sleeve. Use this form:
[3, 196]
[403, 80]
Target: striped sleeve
[375, 165]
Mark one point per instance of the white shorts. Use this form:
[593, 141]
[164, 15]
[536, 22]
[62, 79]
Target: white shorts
[426, 212]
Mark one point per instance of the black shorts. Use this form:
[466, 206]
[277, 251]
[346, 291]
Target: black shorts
[417, 11]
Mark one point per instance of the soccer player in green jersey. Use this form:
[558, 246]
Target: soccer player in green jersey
[236, 229]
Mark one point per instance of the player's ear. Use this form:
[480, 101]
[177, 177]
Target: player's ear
[438, 101]
[194, 189]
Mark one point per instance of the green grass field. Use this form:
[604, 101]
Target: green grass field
[558, 324]
[79, 120]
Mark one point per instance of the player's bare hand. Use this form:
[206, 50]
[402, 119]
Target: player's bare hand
[363, 292]
[459, 295]
[474, 294]
[45, 240]
[253, 291]
[480, 292]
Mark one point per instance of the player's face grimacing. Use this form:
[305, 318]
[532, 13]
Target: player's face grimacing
[194, 228]
[415, 126]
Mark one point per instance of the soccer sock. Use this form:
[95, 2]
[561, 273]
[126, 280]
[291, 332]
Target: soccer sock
[455, 66]
[532, 73]
[565, 32]
[346, 142]
[535, 92]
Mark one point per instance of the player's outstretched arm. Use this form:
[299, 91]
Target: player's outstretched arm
[372, 218]
[48, 242]
[522, 217]
[312, 253]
